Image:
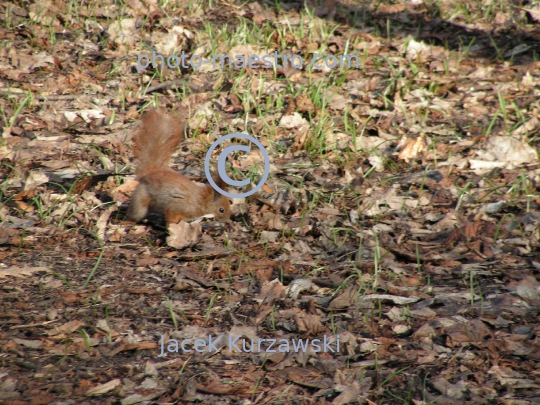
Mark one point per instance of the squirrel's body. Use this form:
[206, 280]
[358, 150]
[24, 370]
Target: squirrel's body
[161, 190]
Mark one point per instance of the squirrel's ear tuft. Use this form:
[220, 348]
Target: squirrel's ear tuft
[219, 181]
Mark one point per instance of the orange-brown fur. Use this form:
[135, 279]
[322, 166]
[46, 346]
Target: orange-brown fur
[161, 190]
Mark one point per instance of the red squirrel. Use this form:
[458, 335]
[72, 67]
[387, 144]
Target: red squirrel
[161, 190]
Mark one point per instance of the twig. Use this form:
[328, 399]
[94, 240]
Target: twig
[165, 85]
[40, 98]
[33, 324]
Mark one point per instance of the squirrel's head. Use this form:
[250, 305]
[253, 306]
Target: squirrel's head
[219, 204]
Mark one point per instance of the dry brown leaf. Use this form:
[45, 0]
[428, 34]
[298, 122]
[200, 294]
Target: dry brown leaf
[473, 332]
[218, 388]
[184, 234]
[104, 388]
[349, 394]
[271, 291]
[207, 251]
[311, 324]
[413, 148]
[132, 346]
[534, 12]
[67, 328]
[344, 300]
[19, 272]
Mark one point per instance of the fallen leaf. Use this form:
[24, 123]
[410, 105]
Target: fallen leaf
[103, 388]
[183, 234]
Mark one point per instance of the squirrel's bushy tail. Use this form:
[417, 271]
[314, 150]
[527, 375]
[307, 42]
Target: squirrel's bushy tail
[155, 141]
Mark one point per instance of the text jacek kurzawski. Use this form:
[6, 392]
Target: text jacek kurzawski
[240, 345]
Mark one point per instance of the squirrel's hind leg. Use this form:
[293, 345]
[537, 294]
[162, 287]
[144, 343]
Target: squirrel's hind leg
[139, 204]
[172, 217]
